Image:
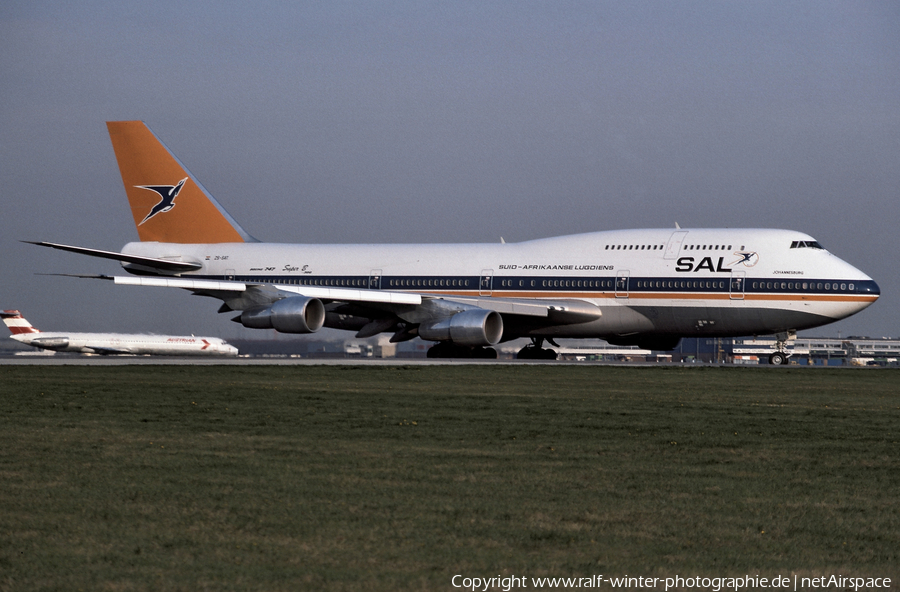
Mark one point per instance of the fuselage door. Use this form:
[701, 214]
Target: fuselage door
[622, 283]
[674, 246]
[375, 279]
[738, 279]
[485, 285]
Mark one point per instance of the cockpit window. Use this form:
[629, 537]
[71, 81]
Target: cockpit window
[806, 245]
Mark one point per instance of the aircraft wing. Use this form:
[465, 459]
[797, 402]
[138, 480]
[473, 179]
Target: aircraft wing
[573, 311]
[370, 312]
[380, 297]
[240, 296]
[220, 288]
[109, 351]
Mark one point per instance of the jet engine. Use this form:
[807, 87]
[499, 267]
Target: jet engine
[469, 327]
[50, 342]
[297, 314]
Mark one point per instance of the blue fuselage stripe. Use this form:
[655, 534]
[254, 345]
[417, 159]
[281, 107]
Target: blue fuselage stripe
[611, 284]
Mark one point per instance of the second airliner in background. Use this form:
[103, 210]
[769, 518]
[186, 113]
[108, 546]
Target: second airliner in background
[113, 343]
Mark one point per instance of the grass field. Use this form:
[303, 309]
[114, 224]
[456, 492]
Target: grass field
[398, 478]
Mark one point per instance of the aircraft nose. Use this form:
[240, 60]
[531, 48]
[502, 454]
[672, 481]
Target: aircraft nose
[869, 287]
[867, 292]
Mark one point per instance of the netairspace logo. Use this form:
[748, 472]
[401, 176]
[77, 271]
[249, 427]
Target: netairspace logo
[513, 582]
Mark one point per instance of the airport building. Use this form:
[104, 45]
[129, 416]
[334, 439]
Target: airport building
[816, 351]
[804, 351]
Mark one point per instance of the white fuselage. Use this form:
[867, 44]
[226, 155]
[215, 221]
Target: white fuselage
[123, 344]
[656, 281]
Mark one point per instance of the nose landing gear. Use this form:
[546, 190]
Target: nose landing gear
[780, 357]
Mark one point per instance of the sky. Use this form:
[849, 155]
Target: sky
[436, 122]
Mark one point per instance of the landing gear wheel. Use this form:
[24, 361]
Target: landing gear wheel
[445, 349]
[536, 352]
[778, 359]
[529, 352]
[484, 353]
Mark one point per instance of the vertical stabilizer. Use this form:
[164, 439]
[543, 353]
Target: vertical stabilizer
[16, 323]
[168, 204]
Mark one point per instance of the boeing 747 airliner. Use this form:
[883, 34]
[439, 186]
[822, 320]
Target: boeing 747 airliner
[647, 288]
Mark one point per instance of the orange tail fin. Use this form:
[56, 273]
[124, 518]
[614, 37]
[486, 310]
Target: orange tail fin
[167, 203]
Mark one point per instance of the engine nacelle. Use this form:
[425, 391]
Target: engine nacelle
[297, 314]
[50, 342]
[469, 327]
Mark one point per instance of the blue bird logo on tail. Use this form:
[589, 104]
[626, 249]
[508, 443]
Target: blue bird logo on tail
[167, 193]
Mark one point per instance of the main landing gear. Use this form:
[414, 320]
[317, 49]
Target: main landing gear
[447, 349]
[536, 352]
[780, 357]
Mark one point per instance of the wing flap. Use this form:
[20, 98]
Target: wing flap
[559, 311]
[335, 294]
[504, 305]
[348, 295]
[415, 307]
[160, 282]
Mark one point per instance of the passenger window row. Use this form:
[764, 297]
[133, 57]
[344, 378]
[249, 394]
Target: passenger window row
[559, 283]
[337, 282]
[685, 284]
[817, 286]
[633, 247]
[708, 248]
[429, 283]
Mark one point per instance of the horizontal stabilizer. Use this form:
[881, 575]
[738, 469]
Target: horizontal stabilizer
[153, 262]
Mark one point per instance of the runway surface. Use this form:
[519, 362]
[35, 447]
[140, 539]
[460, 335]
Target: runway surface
[81, 360]
[184, 361]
